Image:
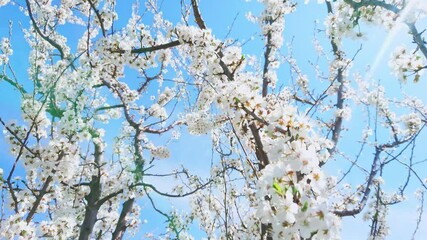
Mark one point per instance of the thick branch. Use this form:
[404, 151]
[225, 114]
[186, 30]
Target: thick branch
[38, 199]
[265, 77]
[162, 130]
[418, 39]
[121, 223]
[43, 191]
[225, 68]
[202, 25]
[157, 47]
[149, 49]
[337, 127]
[92, 198]
[259, 148]
[197, 15]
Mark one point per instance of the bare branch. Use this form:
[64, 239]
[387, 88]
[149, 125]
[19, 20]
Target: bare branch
[197, 15]
[98, 15]
[46, 38]
[367, 189]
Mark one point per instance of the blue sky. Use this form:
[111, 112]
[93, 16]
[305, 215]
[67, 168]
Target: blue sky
[219, 16]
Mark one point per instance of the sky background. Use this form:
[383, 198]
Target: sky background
[193, 151]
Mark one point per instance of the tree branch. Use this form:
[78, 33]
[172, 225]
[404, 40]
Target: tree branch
[121, 223]
[265, 78]
[101, 21]
[418, 39]
[367, 190]
[197, 15]
[46, 38]
[92, 198]
[202, 26]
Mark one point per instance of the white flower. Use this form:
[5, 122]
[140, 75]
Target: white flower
[403, 62]
[157, 111]
[166, 96]
[344, 113]
[199, 123]
[288, 209]
[412, 122]
[160, 152]
[4, 2]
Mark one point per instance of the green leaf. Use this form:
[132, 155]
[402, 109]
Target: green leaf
[375, 217]
[277, 187]
[93, 133]
[304, 207]
[14, 84]
[417, 78]
[294, 191]
[55, 111]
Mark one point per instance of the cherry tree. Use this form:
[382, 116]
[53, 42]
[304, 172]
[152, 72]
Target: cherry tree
[102, 107]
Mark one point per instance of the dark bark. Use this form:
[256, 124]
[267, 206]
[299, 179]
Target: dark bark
[92, 209]
[39, 197]
[121, 224]
[367, 190]
[92, 199]
[266, 79]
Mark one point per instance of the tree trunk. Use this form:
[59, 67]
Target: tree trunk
[92, 199]
[90, 219]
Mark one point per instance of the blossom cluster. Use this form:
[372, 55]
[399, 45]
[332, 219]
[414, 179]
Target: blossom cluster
[405, 63]
[5, 50]
[4, 2]
[272, 21]
[291, 193]
[266, 178]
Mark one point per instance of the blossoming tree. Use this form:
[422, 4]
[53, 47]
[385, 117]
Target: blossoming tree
[100, 109]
